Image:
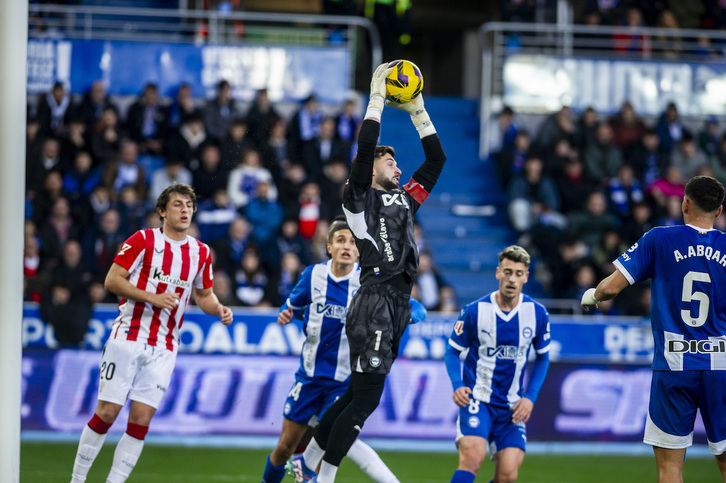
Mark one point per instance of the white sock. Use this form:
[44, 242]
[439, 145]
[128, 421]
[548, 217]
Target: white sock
[313, 454]
[125, 457]
[327, 473]
[371, 464]
[88, 448]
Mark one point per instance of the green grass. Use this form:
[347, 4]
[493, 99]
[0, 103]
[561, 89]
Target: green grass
[52, 462]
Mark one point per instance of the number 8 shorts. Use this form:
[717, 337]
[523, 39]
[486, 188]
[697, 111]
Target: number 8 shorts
[134, 370]
[493, 424]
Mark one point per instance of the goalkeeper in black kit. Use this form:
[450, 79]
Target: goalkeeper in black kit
[380, 213]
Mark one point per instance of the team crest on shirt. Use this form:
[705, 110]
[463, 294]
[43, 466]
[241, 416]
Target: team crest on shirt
[195, 258]
[375, 361]
[527, 333]
[459, 327]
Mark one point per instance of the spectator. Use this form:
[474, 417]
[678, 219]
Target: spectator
[210, 176]
[275, 152]
[602, 159]
[236, 143]
[591, 223]
[290, 187]
[214, 217]
[529, 193]
[224, 290]
[229, 248]
[335, 175]
[244, 178]
[80, 181]
[43, 201]
[429, 282]
[265, 216]
[629, 39]
[261, 116]
[668, 45]
[106, 136]
[74, 138]
[101, 245]
[646, 157]
[448, 304]
[321, 149]
[94, 102]
[555, 126]
[183, 106]
[220, 111]
[132, 210]
[126, 170]
[627, 128]
[186, 143]
[56, 231]
[310, 212]
[347, 124]
[304, 126]
[97, 203]
[32, 269]
[73, 269]
[625, 190]
[571, 252]
[718, 161]
[252, 284]
[639, 223]
[53, 110]
[97, 293]
[290, 241]
[573, 187]
[148, 121]
[33, 140]
[67, 313]
[290, 270]
[37, 169]
[557, 157]
[317, 249]
[607, 249]
[708, 137]
[511, 163]
[586, 129]
[672, 215]
[670, 128]
[172, 172]
[507, 129]
[687, 157]
[689, 14]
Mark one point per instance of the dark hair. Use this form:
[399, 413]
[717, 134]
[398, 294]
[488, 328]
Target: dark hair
[339, 223]
[706, 192]
[182, 189]
[379, 152]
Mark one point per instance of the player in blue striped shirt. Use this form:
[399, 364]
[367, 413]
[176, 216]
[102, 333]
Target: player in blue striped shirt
[497, 332]
[321, 298]
[687, 268]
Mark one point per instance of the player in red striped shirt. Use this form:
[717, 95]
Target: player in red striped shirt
[155, 273]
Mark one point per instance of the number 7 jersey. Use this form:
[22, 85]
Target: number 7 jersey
[687, 266]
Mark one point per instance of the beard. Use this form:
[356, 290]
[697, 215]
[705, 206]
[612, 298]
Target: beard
[388, 184]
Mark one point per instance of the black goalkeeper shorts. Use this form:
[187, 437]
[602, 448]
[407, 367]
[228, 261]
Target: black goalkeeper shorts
[377, 317]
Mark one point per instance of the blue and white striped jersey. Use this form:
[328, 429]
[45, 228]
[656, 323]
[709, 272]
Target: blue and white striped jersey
[325, 299]
[687, 266]
[499, 344]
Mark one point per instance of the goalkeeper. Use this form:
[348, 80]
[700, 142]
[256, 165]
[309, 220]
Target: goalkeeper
[380, 213]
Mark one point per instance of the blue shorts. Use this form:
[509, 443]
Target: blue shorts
[310, 397]
[493, 424]
[674, 398]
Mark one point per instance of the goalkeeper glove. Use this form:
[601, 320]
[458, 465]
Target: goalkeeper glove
[378, 91]
[419, 116]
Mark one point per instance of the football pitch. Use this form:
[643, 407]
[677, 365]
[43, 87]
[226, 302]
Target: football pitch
[52, 462]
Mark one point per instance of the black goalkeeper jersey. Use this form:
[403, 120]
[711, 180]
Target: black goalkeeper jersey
[382, 221]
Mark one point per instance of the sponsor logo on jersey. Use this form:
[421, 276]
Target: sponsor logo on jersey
[159, 275]
[375, 361]
[395, 198]
[512, 352]
[695, 346]
[473, 422]
[161, 388]
[331, 310]
[384, 238]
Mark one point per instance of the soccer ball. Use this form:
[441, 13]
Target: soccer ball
[404, 82]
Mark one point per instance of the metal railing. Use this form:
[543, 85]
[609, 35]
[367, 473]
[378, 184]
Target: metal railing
[210, 27]
[500, 41]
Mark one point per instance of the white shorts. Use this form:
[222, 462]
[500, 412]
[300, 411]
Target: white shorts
[134, 370]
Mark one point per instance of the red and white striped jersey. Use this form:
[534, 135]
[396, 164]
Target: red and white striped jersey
[159, 264]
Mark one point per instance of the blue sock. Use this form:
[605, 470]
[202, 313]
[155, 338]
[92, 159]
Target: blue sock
[462, 476]
[273, 474]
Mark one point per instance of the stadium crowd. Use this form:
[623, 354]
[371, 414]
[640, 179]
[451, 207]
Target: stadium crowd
[267, 184]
